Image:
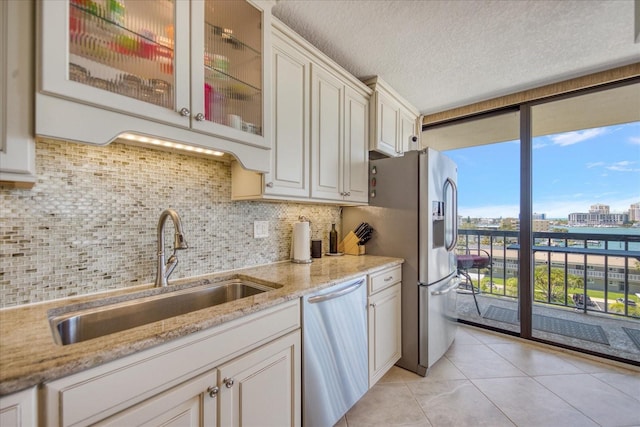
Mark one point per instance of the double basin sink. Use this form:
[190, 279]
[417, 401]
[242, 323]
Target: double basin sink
[76, 326]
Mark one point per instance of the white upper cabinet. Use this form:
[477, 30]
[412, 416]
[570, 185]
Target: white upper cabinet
[174, 69]
[408, 131]
[386, 124]
[320, 130]
[356, 147]
[327, 95]
[394, 122]
[132, 58]
[228, 82]
[17, 146]
[289, 174]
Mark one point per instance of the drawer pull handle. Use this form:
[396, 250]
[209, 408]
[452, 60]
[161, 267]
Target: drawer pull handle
[388, 278]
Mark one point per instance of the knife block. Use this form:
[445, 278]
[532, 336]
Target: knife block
[349, 245]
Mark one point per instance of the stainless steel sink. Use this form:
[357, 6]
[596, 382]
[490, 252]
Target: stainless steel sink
[82, 325]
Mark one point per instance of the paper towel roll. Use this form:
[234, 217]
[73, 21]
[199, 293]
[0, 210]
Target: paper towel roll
[300, 244]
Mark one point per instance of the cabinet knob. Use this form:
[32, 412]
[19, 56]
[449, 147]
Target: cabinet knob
[269, 184]
[199, 117]
[348, 193]
[213, 391]
[228, 382]
[372, 305]
[185, 112]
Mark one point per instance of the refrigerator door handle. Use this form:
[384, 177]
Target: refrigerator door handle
[453, 275]
[454, 214]
[454, 284]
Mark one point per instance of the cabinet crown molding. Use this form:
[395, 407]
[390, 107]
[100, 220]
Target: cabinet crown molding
[376, 83]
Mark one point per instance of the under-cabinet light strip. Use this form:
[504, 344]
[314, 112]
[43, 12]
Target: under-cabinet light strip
[169, 144]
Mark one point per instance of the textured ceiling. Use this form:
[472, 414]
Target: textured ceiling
[445, 54]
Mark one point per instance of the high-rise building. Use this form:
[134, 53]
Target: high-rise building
[634, 212]
[597, 218]
[599, 209]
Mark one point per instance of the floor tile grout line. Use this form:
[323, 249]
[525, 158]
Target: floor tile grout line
[562, 398]
[481, 392]
[557, 351]
[593, 375]
[537, 382]
[494, 403]
[471, 338]
[415, 399]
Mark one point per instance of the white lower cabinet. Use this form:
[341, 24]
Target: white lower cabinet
[385, 345]
[19, 409]
[189, 404]
[239, 393]
[244, 372]
[262, 388]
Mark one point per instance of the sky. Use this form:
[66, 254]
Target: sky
[571, 172]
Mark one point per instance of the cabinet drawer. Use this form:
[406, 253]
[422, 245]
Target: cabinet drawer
[385, 278]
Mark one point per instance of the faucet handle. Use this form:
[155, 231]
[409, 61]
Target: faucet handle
[171, 265]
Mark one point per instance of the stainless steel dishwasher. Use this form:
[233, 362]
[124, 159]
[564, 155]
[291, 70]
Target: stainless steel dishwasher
[335, 353]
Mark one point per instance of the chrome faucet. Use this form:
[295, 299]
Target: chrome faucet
[165, 269]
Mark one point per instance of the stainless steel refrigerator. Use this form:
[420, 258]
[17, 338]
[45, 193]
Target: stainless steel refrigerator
[413, 211]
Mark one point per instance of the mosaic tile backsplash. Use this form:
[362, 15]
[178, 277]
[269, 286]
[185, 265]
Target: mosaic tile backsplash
[90, 222]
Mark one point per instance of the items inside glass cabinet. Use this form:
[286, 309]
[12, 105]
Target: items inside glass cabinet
[127, 47]
[233, 65]
[124, 47]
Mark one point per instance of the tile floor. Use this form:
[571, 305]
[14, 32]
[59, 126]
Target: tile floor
[491, 379]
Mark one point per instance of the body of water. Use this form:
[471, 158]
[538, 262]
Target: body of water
[630, 231]
[598, 244]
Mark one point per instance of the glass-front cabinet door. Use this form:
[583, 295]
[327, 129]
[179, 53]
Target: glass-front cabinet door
[197, 64]
[228, 79]
[125, 55]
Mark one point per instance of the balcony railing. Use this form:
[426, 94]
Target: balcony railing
[587, 271]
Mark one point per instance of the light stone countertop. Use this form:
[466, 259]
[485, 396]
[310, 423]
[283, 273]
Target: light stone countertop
[29, 356]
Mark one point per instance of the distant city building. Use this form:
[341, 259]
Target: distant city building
[599, 209]
[511, 223]
[634, 212]
[594, 219]
[538, 216]
[541, 225]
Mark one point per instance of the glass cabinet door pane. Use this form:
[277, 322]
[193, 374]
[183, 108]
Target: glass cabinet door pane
[233, 65]
[125, 47]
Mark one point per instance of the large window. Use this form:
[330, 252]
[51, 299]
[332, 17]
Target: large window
[551, 195]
